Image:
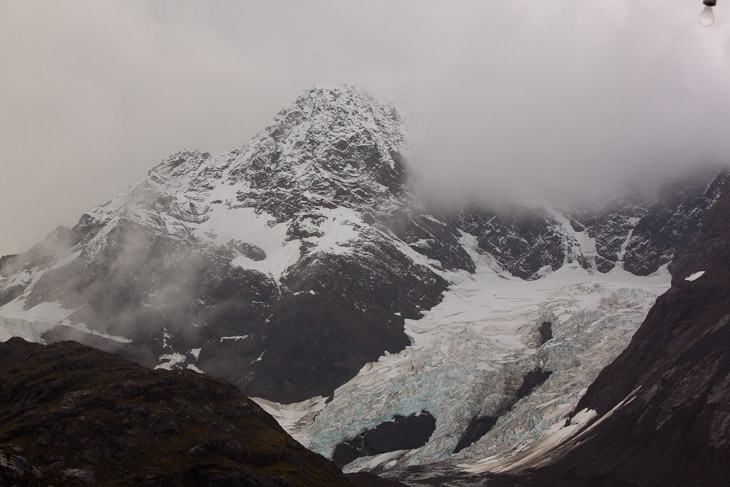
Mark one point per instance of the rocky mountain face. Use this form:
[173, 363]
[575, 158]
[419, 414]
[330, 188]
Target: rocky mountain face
[301, 268]
[659, 413]
[674, 429]
[75, 416]
[667, 223]
[632, 232]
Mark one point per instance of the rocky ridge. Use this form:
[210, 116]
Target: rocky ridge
[72, 415]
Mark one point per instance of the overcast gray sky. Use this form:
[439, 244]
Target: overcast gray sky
[502, 95]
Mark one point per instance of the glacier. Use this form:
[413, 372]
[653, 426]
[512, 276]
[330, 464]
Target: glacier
[466, 354]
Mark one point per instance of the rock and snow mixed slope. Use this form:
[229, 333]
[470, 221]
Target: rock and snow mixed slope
[300, 266]
[470, 359]
[272, 243]
[657, 415]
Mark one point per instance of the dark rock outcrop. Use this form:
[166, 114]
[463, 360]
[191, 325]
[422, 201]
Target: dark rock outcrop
[546, 332]
[611, 227]
[533, 379]
[672, 221]
[478, 427]
[522, 240]
[400, 433]
[645, 234]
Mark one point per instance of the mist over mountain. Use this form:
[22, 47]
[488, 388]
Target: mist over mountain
[503, 98]
[383, 327]
[439, 243]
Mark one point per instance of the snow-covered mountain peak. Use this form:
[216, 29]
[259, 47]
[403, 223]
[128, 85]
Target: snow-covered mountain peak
[335, 143]
[346, 104]
[332, 147]
[340, 118]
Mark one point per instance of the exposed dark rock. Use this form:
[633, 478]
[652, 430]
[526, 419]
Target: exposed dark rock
[478, 427]
[14, 467]
[533, 379]
[522, 240]
[481, 425]
[248, 250]
[433, 238]
[9, 264]
[85, 417]
[546, 332]
[10, 293]
[672, 221]
[400, 433]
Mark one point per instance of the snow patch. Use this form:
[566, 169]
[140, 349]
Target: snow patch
[695, 276]
[260, 229]
[233, 338]
[194, 369]
[625, 245]
[33, 323]
[83, 327]
[66, 260]
[338, 227]
[168, 361]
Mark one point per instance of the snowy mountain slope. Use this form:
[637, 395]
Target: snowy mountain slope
[671, 221]
[300, 266]
[274, 242]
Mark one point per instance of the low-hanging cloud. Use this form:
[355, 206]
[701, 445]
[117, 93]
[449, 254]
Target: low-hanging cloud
[503, 97]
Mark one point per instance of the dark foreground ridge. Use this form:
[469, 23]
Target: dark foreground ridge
[71, 415]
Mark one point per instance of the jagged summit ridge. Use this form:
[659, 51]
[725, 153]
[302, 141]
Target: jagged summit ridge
[333, 147]
[328, 132]
[330, 146]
